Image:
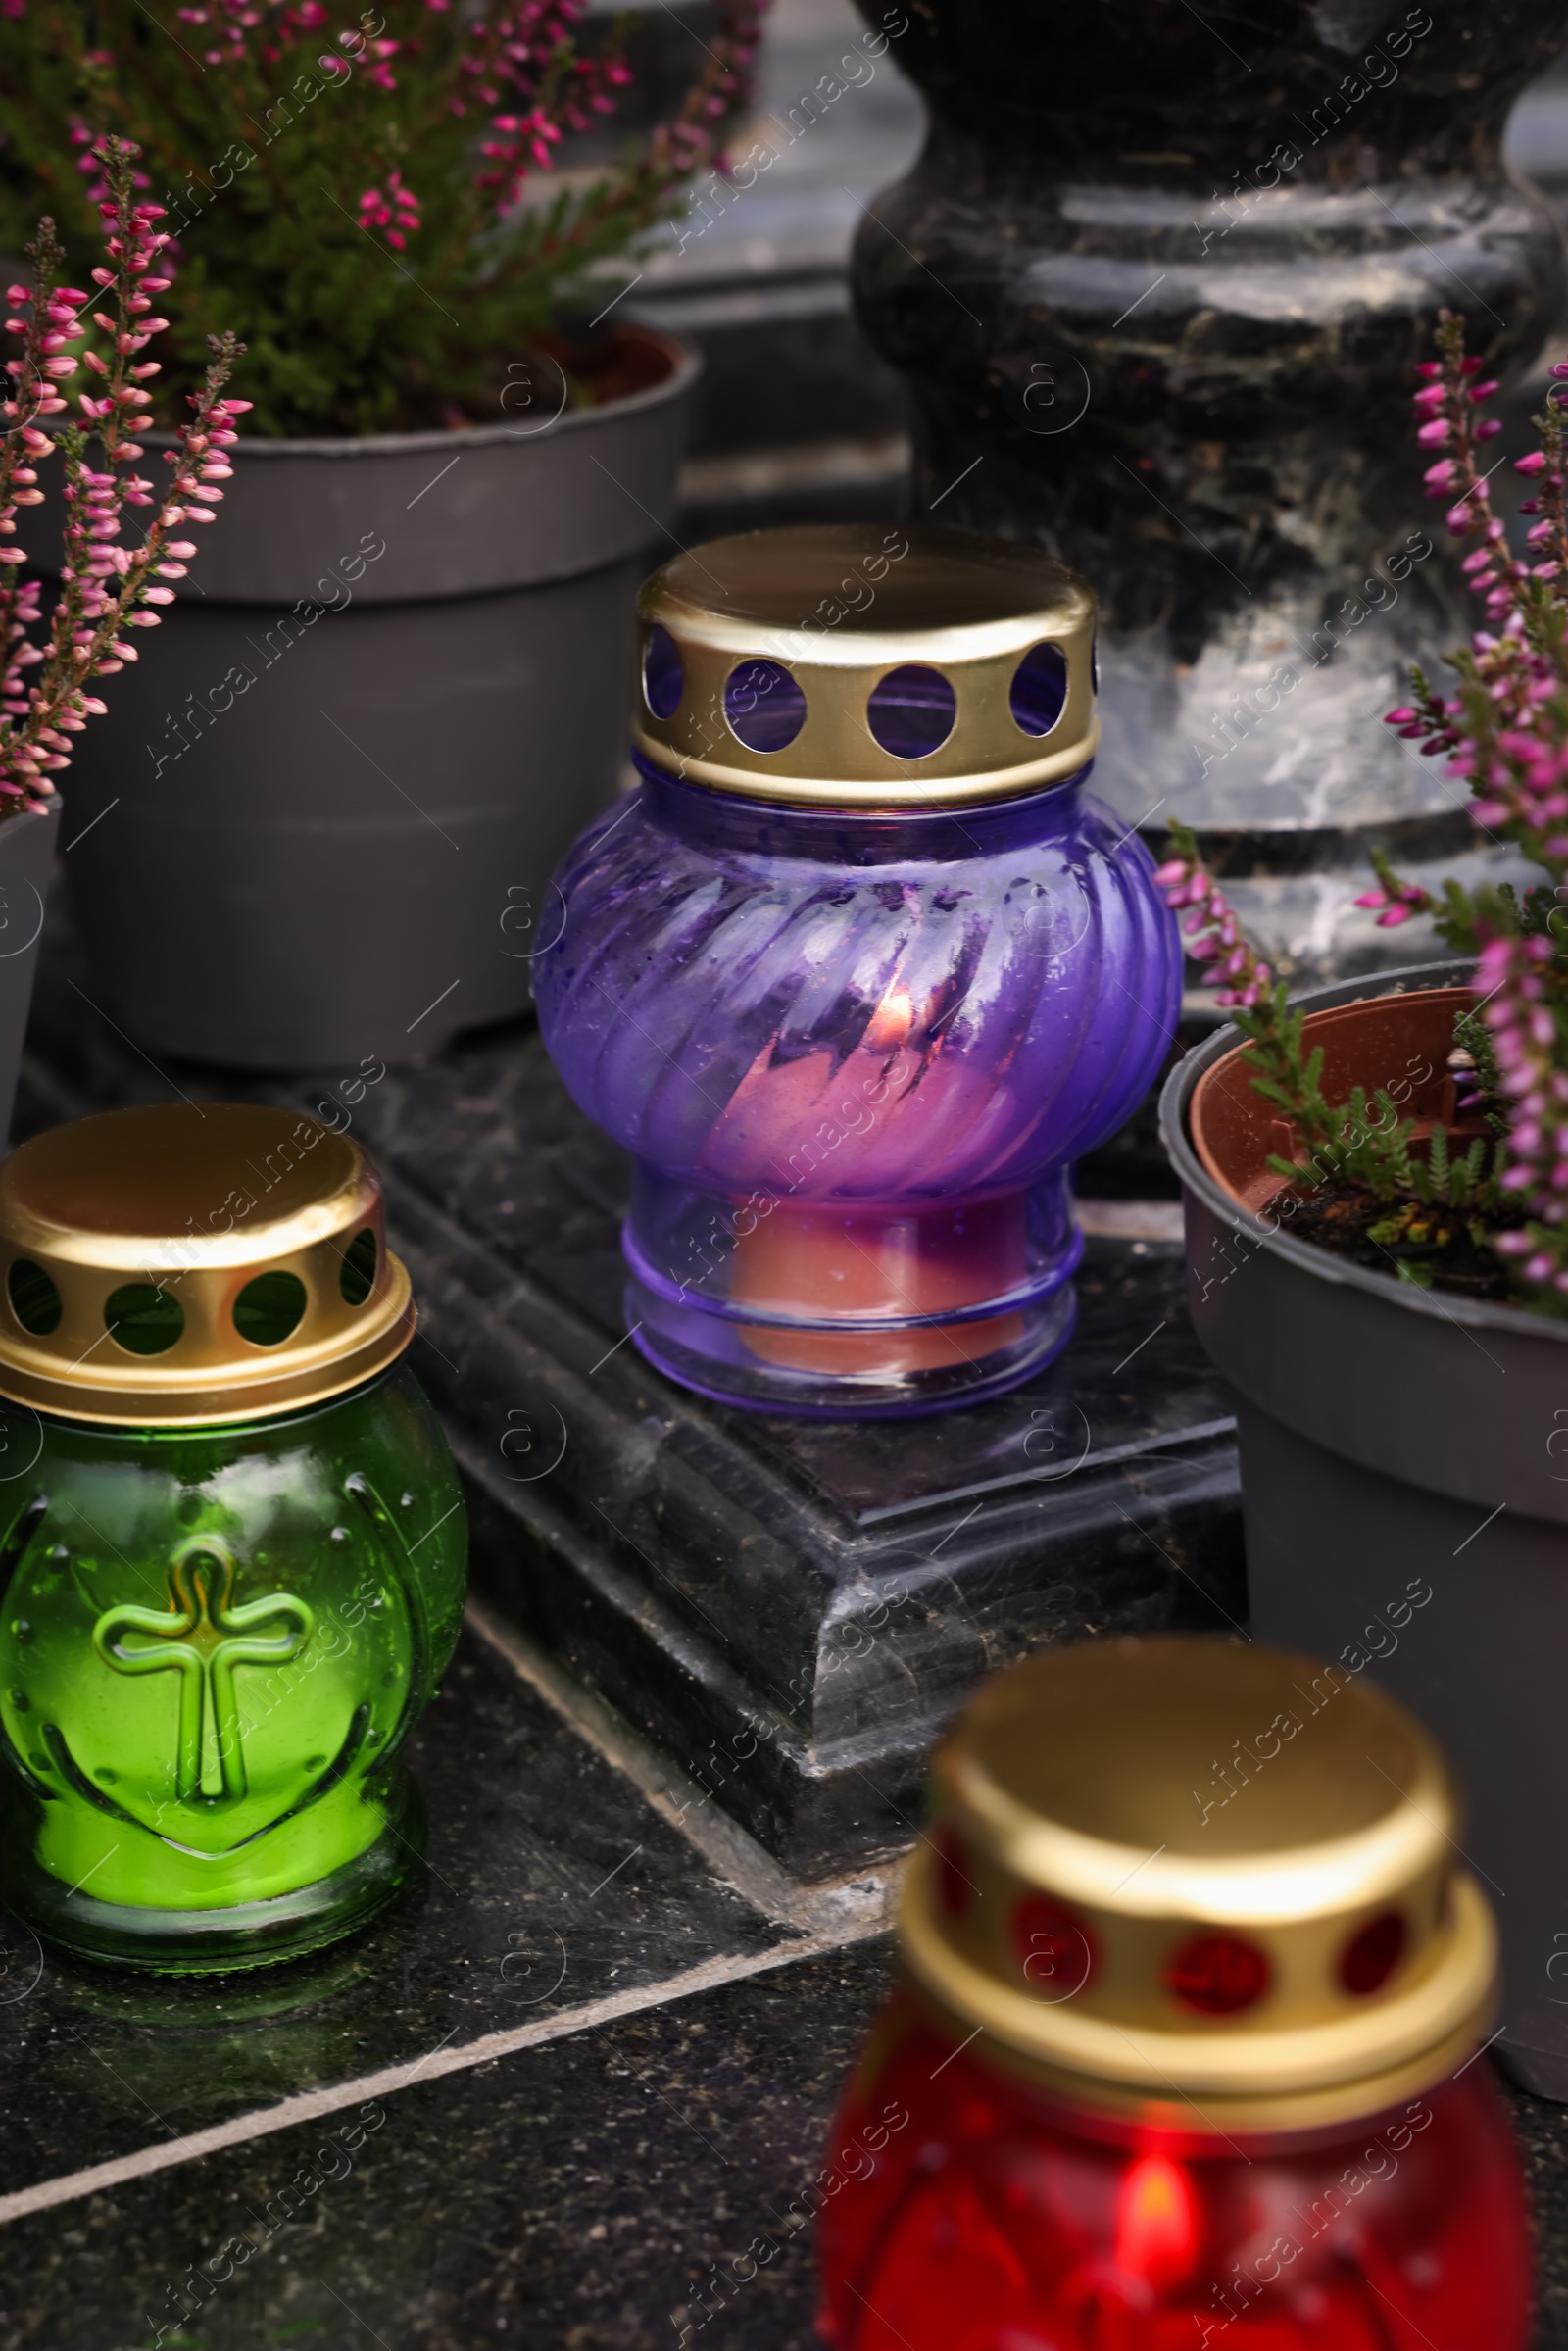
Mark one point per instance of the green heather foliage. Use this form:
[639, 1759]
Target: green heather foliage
[1505, 734]
[383, 206]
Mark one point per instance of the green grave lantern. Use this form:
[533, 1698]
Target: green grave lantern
[232, 1546]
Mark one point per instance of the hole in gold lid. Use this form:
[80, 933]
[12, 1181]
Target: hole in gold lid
[763, 705]
[144, 1320]
[663, 679]
[1218, 1975]
[910, 711]
[1039, 688]
[1371, 1956]
[358, 1276]
[267, 1308]
[35, 1300]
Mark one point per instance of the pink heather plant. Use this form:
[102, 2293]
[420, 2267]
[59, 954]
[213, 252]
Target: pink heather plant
[106, 586]
[375, 196]
[1504, 732]
[1213, 936]
[394, 210]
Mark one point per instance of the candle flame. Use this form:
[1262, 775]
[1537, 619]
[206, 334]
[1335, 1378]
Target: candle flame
[1156, 2225]
[891, 1022]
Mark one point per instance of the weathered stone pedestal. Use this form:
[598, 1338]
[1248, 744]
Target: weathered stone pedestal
[792, 1610]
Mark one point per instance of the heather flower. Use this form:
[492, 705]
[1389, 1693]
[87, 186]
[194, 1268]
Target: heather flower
[1209, 929]
[105, 585]
[395, 209]
[1504, 734]
[1398, 901]
[1359, 1144]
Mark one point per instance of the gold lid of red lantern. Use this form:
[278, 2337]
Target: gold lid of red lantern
[917, 667]
[1208, 1884]
[186, 1263]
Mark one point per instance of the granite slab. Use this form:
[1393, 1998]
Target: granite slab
[791, 1609]
[598, 2193]
[802, 1603]
[549, 1885]
[590, 2058]
[586, 2194]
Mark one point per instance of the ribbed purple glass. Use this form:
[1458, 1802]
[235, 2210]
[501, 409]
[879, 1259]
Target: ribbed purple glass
[854, 1055]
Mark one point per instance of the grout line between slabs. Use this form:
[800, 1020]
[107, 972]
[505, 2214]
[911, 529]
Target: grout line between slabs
[824, 1918]
[865, 1895]
[307, 2106]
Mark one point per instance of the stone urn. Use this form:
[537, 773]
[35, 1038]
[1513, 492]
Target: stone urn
[1160, 280]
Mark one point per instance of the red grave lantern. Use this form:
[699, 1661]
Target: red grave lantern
[1191, 2065]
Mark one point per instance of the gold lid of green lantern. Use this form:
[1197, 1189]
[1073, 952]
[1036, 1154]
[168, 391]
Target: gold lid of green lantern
[183, 1263]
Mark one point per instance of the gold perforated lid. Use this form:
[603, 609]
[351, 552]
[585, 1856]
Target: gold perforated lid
[186, 1263]
[853, 665]
[1204, 1884]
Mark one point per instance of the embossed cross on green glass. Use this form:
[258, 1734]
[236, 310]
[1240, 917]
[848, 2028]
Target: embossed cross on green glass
[203, 1636]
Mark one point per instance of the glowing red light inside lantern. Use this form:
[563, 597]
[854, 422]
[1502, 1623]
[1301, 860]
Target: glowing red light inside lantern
[1157, 2226]
[1218, 1975]
[990, 2219]
[1371, 1956]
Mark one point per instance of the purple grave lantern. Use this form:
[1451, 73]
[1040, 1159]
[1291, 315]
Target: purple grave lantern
[858, 969]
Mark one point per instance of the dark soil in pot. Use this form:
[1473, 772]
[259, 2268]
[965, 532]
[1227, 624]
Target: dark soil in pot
[1404, 1044]
[1439, 1247]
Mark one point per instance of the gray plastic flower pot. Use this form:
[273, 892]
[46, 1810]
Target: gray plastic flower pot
[26, 853]
[320, 820]
[1404, 1481]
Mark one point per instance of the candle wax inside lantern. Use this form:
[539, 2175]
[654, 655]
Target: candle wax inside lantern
[827, 1262]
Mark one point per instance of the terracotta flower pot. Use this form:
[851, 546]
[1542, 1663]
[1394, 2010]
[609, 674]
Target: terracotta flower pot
[1404, 1475]
[1400, 1041]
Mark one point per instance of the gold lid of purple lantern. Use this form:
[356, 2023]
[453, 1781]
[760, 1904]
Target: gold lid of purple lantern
[860, 665]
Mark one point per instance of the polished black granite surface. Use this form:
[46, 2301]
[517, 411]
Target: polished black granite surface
[794, 1608]
[581, 2194]
[548, 1885]
[595, 2193]
[589, 2056]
